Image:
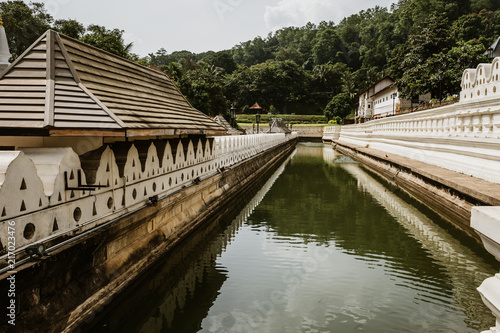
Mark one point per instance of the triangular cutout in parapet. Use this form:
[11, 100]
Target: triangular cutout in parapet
[4, 213]
[59, 197]
[72, 175]
[23, 185]
[55, 227]
[23, 206]
[40, 204]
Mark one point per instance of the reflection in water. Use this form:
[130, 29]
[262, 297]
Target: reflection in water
[463, 267]
[323, 247]
[163, 301]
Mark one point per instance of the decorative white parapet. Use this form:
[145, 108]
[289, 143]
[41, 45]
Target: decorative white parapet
[463, 137]
[481, 83]
[486, 222]
[51, 192]
[331, 133]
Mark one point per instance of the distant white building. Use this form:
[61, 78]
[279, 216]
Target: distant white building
[382, 100]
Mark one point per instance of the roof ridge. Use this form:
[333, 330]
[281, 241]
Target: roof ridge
[31, 47]
[50, 77]
[76, 77]
[113, 55]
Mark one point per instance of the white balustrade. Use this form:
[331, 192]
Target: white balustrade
[48, 191]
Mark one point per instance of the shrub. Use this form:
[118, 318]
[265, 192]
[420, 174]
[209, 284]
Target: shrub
[294, 119]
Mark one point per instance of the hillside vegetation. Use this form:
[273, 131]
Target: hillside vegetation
[424, 45]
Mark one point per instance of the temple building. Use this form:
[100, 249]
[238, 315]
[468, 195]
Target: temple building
[61, 91]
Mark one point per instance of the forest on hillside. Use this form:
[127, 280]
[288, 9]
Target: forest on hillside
[424, 45]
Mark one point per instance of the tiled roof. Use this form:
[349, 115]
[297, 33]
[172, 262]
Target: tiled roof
[62, 83]
[256, 106]
[230, 129]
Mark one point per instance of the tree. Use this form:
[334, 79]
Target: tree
[107, 40]
[271, 83]
[327, 47]
[478, 5]
[447, 68]
[411, 60]
[484, 26]
[339, 106]
[24, 24]
[326, 82]
[252, 52]
[71, 28]
[202, 84]
[224, 60]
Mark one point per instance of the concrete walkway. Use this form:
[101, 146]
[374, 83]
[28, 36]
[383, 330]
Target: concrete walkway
[479, 189]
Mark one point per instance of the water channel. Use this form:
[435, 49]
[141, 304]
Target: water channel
[324, 246]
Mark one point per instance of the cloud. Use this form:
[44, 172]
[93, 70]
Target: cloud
[299, 12]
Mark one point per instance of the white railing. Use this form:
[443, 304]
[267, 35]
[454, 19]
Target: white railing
[331, 133]
[44, 192]
[308, 131]
[460, 120]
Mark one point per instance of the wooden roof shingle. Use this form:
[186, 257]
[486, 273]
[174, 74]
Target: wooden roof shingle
[60, 83]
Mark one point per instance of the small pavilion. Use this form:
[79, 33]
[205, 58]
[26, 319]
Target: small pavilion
[256, 107]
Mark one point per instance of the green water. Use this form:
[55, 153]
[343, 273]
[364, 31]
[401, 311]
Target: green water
[323, 247]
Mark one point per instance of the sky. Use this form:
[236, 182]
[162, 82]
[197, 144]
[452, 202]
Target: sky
[202, 25]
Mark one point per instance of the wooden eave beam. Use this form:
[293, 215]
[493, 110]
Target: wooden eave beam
[162, 132]
[85, 132]
[23, 132]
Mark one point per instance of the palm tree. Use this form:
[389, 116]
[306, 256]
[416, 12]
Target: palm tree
[348, 84]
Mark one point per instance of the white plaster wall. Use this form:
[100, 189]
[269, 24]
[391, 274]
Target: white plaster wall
[33, 188]
[383, 104]
[486, 222]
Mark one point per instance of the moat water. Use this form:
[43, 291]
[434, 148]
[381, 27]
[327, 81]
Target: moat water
[324, 246]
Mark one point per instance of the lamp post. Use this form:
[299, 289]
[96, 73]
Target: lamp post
[393, 100]
[489, 51]
[257, 120]
[233, 115]
[440, 87]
